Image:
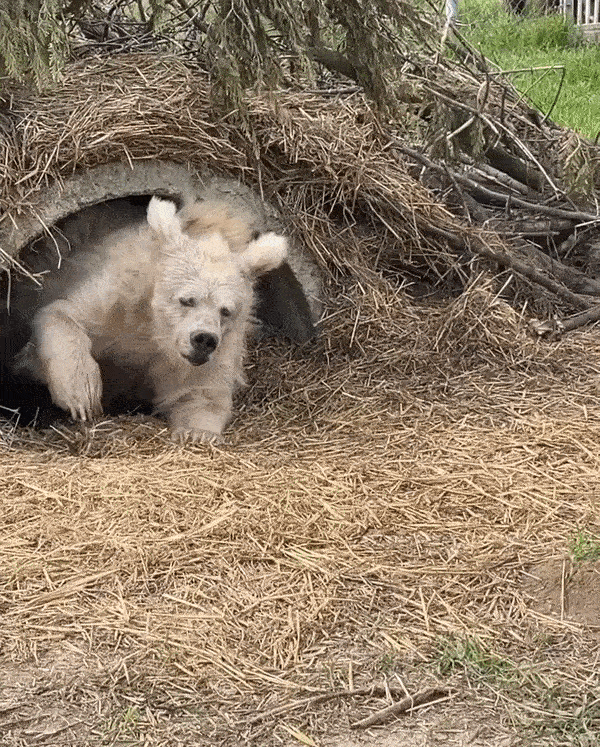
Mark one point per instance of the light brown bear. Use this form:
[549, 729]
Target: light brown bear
[170, 300]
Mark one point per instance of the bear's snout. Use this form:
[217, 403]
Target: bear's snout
[203, 345]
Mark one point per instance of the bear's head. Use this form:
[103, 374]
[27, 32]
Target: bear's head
[202, 288]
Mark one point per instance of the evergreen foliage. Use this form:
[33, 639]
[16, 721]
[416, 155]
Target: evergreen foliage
[241, 42]
[33, 39]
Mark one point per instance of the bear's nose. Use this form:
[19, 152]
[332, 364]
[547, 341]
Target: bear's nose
[204, 343]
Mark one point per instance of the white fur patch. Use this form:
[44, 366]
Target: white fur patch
[163, 220]
[264, 253]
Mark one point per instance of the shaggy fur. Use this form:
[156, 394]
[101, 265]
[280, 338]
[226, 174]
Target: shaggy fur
[282, 303]
[171, 308]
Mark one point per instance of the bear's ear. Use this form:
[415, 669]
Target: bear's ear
[263, 254]
[163, 220]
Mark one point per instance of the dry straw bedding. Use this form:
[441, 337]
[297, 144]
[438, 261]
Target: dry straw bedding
[371, 505]
[308, 153]
[378, 498]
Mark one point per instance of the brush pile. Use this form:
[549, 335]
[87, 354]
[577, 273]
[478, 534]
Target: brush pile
[466, 168]
[382, 499]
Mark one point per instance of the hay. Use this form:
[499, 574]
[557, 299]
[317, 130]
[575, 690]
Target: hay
[348, 186]
[379, 502]
[97, 119]
[373, 502]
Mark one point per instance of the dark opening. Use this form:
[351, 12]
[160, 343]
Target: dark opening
[281, 307]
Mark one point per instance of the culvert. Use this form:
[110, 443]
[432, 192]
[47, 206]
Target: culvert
[89, 208]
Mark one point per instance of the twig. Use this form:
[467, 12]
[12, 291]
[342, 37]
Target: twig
[189, 12]
[498, 176]
[334, 61]
[579, 320]
[570, 277]
[528, 153]
[460, 194]
[505, 258]
[502, 257]
[409, 703]
[463, 126]
[532, 273]
[562, 590]
[559, 89]
[547, 69]
[7, 709]
[374, 691]
[494, 128]
[531, 227]
[501, 198]
[46, 734]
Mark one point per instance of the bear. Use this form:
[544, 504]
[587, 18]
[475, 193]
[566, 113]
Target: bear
[170, 306]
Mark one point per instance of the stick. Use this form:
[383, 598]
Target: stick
[497, 255]
[376, 691]
[492, 125]
[502, 199]
[498, 176]
[499, 197]
[433, 695]
[579, 320]
[532, 273]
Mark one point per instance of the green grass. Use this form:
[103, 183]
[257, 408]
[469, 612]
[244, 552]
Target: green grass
[585, 547]
[534, 41]
[550, 711]
[472, 657]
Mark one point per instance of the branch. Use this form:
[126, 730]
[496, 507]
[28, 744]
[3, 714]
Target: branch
[477, 246]
[573, 278]
[529, 227]
[200, 25]
[500, 198]
[495, 127]
[579, 320]
[514, 167]
[373, 691]
[408, 703]
[578, 281]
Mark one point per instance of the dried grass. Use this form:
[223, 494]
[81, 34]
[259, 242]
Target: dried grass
[327, 161]
[372, 502]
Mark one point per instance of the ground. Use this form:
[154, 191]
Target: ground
[412, 505]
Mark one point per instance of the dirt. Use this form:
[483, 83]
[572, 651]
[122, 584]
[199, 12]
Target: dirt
[41, 702]
[64, 700]
[453, 728]
[567, 590]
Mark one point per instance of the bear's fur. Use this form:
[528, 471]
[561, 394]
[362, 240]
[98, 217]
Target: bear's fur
[172, 308]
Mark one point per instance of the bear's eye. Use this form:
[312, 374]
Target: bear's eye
[188, 302]
[225, 312]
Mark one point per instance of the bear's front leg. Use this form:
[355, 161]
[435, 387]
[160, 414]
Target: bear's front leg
[201, 415]
[64, 350]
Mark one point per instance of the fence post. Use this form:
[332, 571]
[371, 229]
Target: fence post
[451, 10]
